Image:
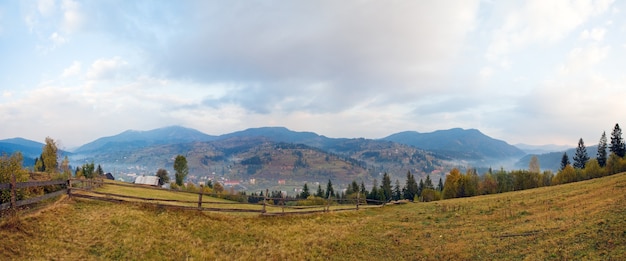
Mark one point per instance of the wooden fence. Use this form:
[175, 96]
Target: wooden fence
[87, 188]
[264, 207]
[14, 186]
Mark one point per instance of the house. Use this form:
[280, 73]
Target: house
[109, 176]
[147, 180]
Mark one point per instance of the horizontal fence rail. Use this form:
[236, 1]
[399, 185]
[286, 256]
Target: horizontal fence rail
[14, 186]
[264, 206]
[88, 189]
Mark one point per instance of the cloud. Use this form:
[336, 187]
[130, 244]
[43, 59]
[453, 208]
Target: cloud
[583, 59]
[73, 18]
[73, 70]
[104, 69]
[536, 23]
[333, 53]
[596, 34]
[46, 7]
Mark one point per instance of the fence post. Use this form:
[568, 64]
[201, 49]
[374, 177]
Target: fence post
[69, 187]
[328, 203]
[200, 199]
[264, 201]
[358, 200]
[13, 192]
[283, 204]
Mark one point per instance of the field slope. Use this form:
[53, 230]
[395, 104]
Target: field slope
[585, 220]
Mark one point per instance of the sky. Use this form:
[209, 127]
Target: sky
[533, 72]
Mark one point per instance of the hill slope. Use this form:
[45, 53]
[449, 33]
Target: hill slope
[132, 139]
[458, 144]
[575, 221]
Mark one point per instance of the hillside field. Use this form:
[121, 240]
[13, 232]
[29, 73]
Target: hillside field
[584, 220]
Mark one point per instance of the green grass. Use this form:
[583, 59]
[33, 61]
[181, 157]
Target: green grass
[585, 220]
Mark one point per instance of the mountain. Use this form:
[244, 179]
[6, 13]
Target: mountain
[540, 149]
[458, 143]
[29, 149]
[132, 139]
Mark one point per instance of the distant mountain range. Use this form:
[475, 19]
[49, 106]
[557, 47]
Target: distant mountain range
[268, 154]
[458, 144]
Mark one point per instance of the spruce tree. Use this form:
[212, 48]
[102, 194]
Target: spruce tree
[617, 143]
[386, 187]
[440, 185]
[602, 146]
[580, 158]
[411, 187]
[397, 192]
[564, 161]
[330, 192]
[320, 191]
[305, 192]
[428, 183]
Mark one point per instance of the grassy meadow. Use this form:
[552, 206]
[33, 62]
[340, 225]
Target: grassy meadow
[584, 220]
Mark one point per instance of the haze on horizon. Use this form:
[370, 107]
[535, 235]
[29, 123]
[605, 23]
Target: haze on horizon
[534, 72]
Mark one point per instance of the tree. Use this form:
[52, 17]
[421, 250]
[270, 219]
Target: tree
[320, 191]
[533, 165]
[564, 161]
[305, 192]
[593, 169]
[428, 184]
[65, 167]
[181, 168]
[451, 186]
[99, 171]
[580, 158]
[330, 192]
[602, 157]
[440, 185]
[386, 187]
[164, 177]
[12, 165]
[411, 187]
[49, 156]
[617, 143]
[397, 192]
[88, 170]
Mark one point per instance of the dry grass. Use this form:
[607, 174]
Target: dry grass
[585, 220]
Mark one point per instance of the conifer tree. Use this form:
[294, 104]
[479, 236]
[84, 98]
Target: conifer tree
[320, 191]
[428, 184]
[386, 187]
[440, 185]
[305, 192]
[617, 143]
[330, 192]
[411, 187]
[564, 161]
[602, 146]
[580, 158]
[397, 192]
[374, 192]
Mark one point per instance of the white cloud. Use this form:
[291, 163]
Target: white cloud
[73, 18]
[486, 72]
[541, 22]
[583, 59]
[596, 34]
[103, 69]
[46, 7]
[57, 39]
[73, 70]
